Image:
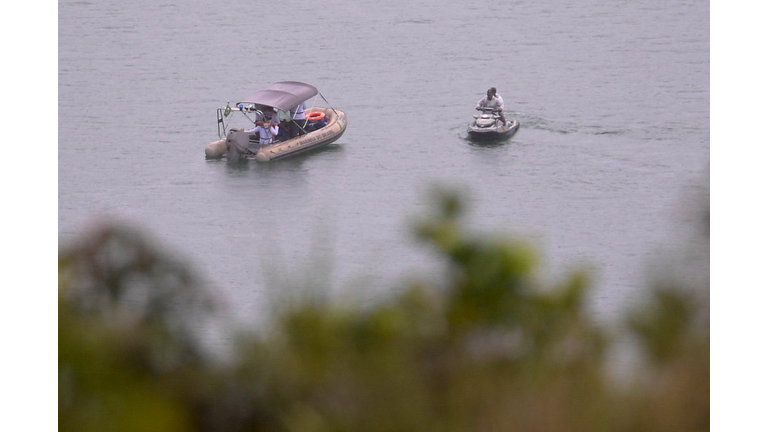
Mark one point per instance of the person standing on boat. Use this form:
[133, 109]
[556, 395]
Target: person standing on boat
[265, 114]
[299, 119]
[265, 129]
[493, 100]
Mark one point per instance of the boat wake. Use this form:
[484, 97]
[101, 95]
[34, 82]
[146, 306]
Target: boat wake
[564, 127]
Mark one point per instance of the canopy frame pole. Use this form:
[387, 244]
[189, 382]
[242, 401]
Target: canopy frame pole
[300, 126]
[326, 101]
[293, 117]
[314, 98]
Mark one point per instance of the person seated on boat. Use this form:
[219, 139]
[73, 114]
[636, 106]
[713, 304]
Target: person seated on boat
[493, 100]
[282, 134]
[284, 129]
[299, 119]
[265, 130]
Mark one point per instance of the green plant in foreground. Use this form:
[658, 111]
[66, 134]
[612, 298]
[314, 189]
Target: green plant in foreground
[491, 349]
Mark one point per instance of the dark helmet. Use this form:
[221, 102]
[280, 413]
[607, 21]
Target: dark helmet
[491, 91]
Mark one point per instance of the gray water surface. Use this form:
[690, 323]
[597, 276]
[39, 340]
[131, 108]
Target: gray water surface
[613, 98]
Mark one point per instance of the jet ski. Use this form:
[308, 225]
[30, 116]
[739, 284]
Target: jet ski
[488, 125]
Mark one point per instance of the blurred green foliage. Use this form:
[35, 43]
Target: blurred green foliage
[491, 349]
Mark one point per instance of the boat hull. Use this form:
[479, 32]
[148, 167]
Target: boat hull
[493, 133]
[332, 131]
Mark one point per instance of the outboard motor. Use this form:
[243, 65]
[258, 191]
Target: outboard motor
[237, 144]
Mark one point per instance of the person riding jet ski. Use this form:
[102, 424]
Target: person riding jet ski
[492, 100]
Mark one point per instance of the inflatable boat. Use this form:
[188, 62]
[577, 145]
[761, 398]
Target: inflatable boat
[322, 125]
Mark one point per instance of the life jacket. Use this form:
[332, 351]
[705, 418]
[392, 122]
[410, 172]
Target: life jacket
[265, 134]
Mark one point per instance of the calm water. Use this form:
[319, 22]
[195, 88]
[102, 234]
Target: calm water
[613, 97]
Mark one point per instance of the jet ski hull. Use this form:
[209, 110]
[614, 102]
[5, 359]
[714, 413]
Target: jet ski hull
[497, 131]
